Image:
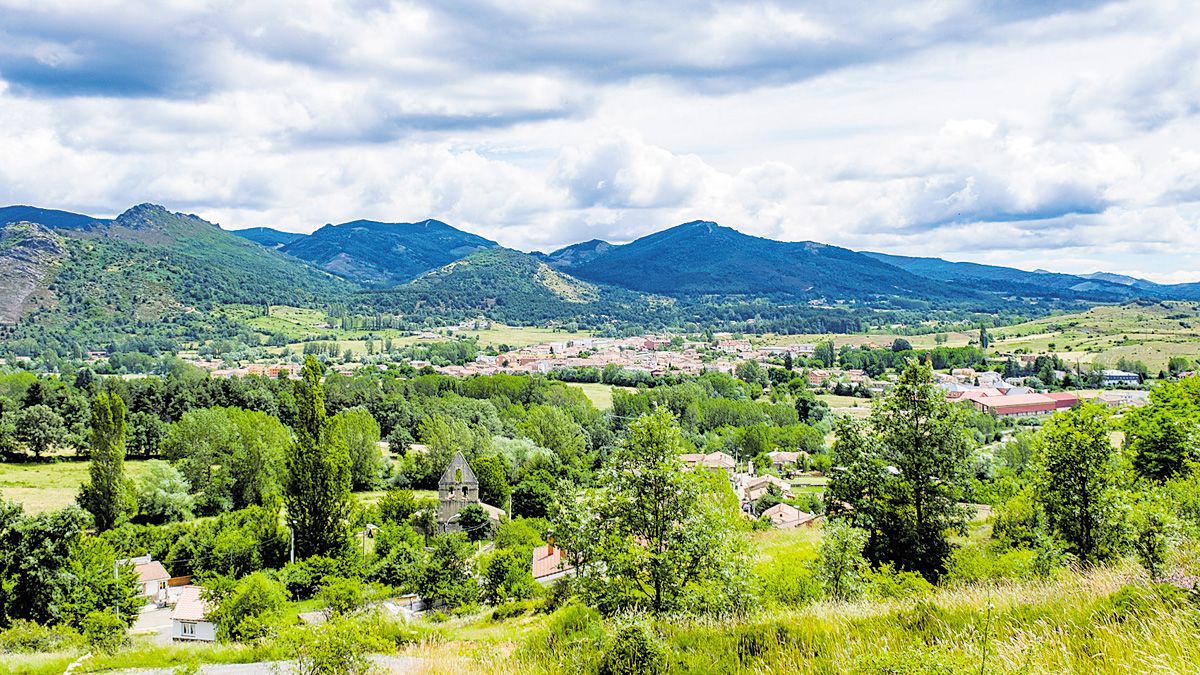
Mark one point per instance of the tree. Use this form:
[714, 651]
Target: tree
[87, 584]
[338, 647]
[39, 428]
[1075, 474]
[361, 435]
[534, 495]
[751, 371]
[985, 340]
[163, 493]
[653, 535]
[201, 444]
[146, 432]
[244, 610]
[901, 345]
[317, 490]
[475, 522]
[809, 408]
[1161, 437]
[448, 576]
[256, 463]
[841, 564]
[507, 576]
[825, 354]
[492, 473]
[342, 595]
[552, 427]
[904, 476]
[107, 496]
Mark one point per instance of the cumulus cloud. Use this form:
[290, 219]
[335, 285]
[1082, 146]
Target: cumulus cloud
[1058, 135]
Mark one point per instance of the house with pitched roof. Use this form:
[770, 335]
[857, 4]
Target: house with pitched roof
[189, 619]
[152, 576]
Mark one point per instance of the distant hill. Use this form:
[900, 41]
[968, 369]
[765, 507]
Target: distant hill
[576, 254]
[269, 237]
[703, 258]
[510, 286]
[385, 254]
[48, 217]
[1007, 281]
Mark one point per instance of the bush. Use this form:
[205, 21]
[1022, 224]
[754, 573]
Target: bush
[634, 651]
[247, 612]
[972, 564]
[888, 582]
[512, 609]
[104, 631]
[25, 636]
[342, 595]
[340, 647]
[304, 578]
[789, 584]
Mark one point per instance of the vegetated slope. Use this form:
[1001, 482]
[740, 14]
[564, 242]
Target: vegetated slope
[385, 254]
[151, 275]
[703, 258]
[576, 254]
[29, 255]
[269, 237]
[1013, 282]
[513, 287]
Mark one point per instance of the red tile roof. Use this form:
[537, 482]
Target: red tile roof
[548, 560]
[190, 606]
[151, 571]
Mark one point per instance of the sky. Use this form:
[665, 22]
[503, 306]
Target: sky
[1054, 135]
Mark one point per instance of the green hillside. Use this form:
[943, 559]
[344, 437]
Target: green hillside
[512, 287]
[385, 254]
[149, 278]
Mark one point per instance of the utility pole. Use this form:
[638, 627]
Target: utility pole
[292, 537]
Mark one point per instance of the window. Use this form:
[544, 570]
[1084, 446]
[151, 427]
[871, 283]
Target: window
[464, 490]
[189, 629]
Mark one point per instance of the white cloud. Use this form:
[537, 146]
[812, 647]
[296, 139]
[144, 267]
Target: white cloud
[1017, 134]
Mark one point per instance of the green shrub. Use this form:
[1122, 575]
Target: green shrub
[342, 595]
[304, 578]
[789, 584]
[339, 647]
[104, 631]
[888, 582]
[1140, 602]
[25, 636]
[634, 651]
[973, 564]
[511, 609]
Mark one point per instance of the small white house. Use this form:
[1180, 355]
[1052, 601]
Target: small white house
[189, 620]
[152, 576]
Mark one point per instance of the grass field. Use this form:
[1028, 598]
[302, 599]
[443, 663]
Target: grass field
[847, 405]
[1151, 334]
[875, 339]
[49, 486]
[600, 395]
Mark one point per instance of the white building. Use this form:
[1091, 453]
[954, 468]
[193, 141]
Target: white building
[189, 620]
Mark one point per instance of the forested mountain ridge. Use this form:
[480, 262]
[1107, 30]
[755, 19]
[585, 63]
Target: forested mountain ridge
[269, 237]
[704, 258]
[381, 254]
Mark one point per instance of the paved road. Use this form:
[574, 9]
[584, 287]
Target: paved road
[154, 621]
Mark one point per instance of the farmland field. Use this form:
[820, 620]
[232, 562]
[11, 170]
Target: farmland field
[599, 394]
[847, 405]
[1149, 333]
[49, 486]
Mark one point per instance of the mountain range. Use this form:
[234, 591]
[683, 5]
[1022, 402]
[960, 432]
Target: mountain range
[111, 278]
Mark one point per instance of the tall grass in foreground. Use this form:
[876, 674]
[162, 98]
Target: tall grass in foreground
[1101, 621]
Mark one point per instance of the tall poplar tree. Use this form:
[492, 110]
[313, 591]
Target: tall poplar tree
[317, 494]
[106, 495]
